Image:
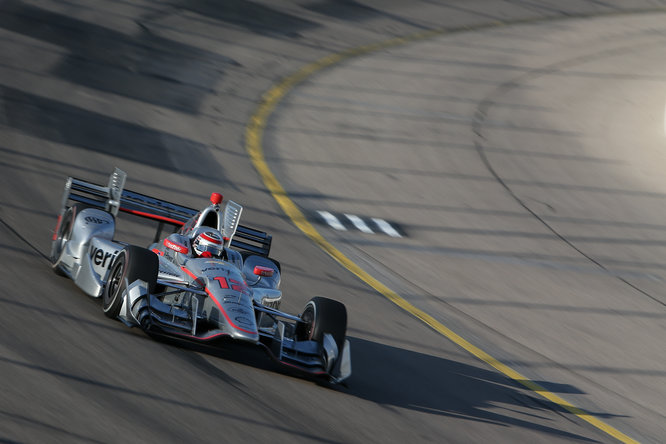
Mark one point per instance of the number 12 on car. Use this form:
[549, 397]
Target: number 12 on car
[235, 285]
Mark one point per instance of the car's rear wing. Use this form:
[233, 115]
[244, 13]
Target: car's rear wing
[114, 198]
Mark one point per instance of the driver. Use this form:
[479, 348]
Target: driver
[208, 244]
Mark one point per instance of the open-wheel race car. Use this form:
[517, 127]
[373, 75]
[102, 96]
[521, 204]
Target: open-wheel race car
[212, 279]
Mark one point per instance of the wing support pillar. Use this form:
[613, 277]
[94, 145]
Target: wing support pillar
[135, 303]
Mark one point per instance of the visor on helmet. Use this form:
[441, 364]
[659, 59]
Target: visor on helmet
[210, 242]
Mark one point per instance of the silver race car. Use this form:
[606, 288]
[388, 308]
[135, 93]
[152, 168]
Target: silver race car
[213, 279]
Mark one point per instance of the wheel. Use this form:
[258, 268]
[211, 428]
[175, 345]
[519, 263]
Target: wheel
[323, 315]
[63, 235]
[131, 264]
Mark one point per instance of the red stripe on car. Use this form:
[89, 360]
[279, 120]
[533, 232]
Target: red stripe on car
[153, 216]
[189, 273]
[55, 233]
[176, 247]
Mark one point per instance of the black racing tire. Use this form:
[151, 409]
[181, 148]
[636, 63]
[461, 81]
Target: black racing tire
[131, 264]
[63, 235]
[322, 315]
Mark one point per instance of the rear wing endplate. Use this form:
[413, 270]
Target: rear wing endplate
[114, 198]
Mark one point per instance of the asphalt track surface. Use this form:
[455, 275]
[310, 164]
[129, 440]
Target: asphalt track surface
[521, 148]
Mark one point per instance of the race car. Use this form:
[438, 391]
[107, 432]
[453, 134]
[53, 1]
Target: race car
[212, 279]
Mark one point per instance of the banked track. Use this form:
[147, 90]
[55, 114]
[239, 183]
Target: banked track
[165, 92]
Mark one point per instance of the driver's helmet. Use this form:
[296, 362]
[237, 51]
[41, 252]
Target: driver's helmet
[208, 244]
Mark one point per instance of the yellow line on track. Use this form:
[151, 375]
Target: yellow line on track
[253, 144]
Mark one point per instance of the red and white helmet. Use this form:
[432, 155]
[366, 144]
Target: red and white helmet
[208, 242]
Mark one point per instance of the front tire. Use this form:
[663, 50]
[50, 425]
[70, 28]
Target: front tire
[322, 315]
[131, 264]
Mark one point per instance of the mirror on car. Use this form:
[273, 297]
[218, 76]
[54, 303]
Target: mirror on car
[263, 271]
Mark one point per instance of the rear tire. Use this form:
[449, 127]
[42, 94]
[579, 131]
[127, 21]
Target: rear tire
[63, 235]
[322, 315]
[131, 264]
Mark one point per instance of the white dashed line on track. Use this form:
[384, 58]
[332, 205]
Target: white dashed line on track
[359, 223]
[333, 221]
[386, 227]
[368, 225]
